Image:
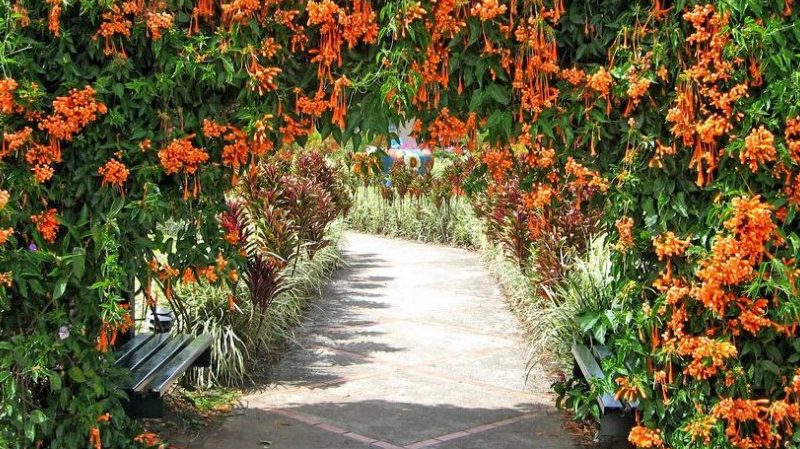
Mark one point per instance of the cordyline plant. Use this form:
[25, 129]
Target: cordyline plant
[678, 120]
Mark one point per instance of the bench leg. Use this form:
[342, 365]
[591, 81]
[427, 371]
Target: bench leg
[144, 406]
[204, 361]
[614, 427]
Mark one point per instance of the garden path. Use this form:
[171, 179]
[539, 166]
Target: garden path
[411, 346]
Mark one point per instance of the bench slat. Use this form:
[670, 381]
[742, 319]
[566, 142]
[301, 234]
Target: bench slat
[591, 370]
[125, 351]
[143, 374]
[170, 371]
[147, 349]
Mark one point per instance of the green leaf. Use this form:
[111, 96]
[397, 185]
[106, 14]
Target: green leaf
[498, 94]
[60, 288]
[78, 262]
[76, 374]
[38, 417]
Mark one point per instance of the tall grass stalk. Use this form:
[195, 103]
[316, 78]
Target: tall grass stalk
[414, 219]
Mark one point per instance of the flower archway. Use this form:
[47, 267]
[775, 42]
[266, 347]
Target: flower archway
[677, 119]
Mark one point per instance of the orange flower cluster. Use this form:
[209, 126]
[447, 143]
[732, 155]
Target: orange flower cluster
[792, 134]
[237, 149]
[628, 391]
[23, 18]
[338, 103]
[434, 72]
[662, 151]
[114, 174]
[263, 78]
[94, 432]
[412, 12]
[733, 258]
[14, 141]
[164, 273]
[240, 11]
[700, 428]
[6, 278]
[668, 245]
[109, 332]
[204, 9]
[573, 75]
[182, 156]
[54, 17]
[360, 25]
[292, 128]
[584, 178]
[759, 149]
[645, 438]
[488, 9]
[446, 130]
[210, 273]
[756, 411]
[314, 107]
[703, 110]
[72, 113]
[7, 88]
[538, 155]
[5, 234]
[157, 22]
[624, 228]
[498, 162]
[47, 224]
[637, 88]
[115, 23]
[708, 356]
[540, 197]
[536, 64]
[4, 197]
[337, 26]
[41, 159]
[600, 82]
[269, 48]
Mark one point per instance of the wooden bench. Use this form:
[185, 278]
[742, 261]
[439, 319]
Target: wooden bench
[616, 418]
[156, 360]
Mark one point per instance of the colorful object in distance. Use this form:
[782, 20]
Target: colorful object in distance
[404, 147]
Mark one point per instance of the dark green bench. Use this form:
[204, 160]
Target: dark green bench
[156, 361]
[616, 418]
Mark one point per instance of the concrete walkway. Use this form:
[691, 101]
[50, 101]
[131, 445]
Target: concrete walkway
[410, 347]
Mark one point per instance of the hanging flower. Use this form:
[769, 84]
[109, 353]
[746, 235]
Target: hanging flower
[624, 228]
[114, 173]
[72, 113]
[668, 245]
[487, 10]
[759, 149]
[5, 234]
[4, 197]
[644, 437]
[157, 22]
[7, 88]
[47, 224]
[600, 82]
[182, 156]
[700, 428]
